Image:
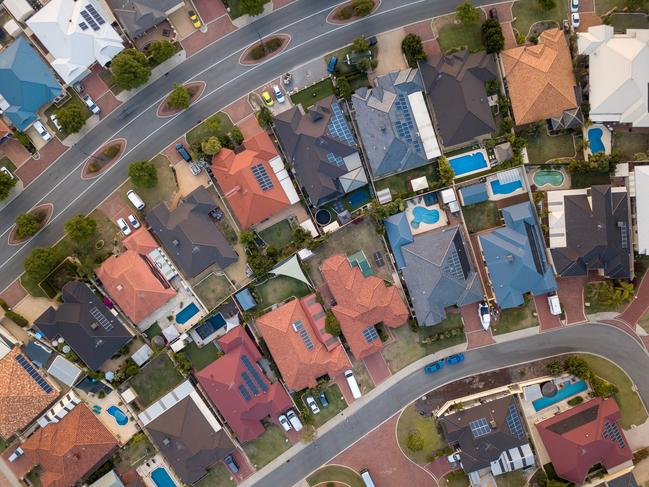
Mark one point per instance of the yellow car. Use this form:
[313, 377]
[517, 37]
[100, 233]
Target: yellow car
[267, 99]
[196, 22]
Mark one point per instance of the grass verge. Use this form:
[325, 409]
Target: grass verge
[516, 318]
[335, 475]
[411, 420]
[265, 448]
[218, 476]
[314, 93]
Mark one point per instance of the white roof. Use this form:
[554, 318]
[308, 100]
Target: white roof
[142, 354]
[12, 28]
[448, 195]
[64, 370]
[424, 124]
[419, 183]
[75, 36]
[20, 9]
[129, 395]
[642, 207]
[284, 179]
[309, 226]
[170, 333]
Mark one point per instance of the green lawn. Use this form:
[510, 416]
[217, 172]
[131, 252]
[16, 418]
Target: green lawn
[213, 290]
[411, 420]
[644, 322]
[456, 479]
[218, 476]
[512, 479]
[399, 184]
[481, 216]
[235, 7]
[514, 319]
[201, 357]
[334, 396]
[596, 306]
[155, 379]
[455, 36]
[623, 21]
[542, 147]
[264, 449]
[278, 235]
[164, 191]
[631, 407]
[73, 100]
[588, 179]
[312, 94]
[201, 132]
[630, 144]
[604, 6]
[278, 289]
[6, 163]
[527, 12]
[335, 475]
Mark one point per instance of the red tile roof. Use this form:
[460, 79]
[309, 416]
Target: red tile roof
[250, 203]
[4, 129]
[575, 439]
[130, 280]
[300, 366]
[361, 302]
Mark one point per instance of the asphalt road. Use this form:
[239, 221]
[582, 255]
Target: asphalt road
[226, 80]
[604, 340]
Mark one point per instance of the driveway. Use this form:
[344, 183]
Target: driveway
[571, 295]
[638, 307]
[476, 336]
[376, 367]
[547, 321]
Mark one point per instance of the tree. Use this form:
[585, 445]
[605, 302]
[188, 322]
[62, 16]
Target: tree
[130, 69]
[27, 224]
[236, 135]
[446, 173]
[143, 174]
[577, 366]
[547, 4]
[213, 123]
[364, 65]
[362, 7]
[80, 228]
[332, 326]
[246, 238]
[555, 368]
[161, 50]
[264, 117]
[467, 13]
[252, 7]
[413, 49]
[211, 146]
[6, 184]
[40, 262]
[360, 44]
[506, 124]
[179, 97]
[71, 117]
[415, 440]
[492, 36]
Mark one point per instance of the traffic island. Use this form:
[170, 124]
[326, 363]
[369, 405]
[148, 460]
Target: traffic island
[262, 51]
[348, 12]
[42, 213]
[195, 90]
[103, 158]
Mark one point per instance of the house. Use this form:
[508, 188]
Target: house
[436, 266]
[639, 182]
[85, 323]
[237, 386]
[26, 84]
[189, 234]
[586, 435]
[75, 35]
[320, 146]
[489, 438]
[301, 347]
[361, 303]
[250, 180]
[590, 231]
[515, 257]
[19, 9]
[455, 84]
[133, 281]
[24, 393]
[618, 67]
[111, 479]
[394, 125]
[541, 82]
[66, 451]
[137, 17]
[186, 432]
[4, 131]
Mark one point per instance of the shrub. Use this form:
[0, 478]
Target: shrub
[415, 440]
[213, 123]
[575, 401]
[110, 151]
[24, 140]
[236, 135]
[547, 4]
[640, 455]
[413, 49]
[360, 44]
[6, 184]
[555, 368]
[601, 388]
[343, 89]
[467, 13]
[71, 117]
[16, 318]
[27, 225]
[130, 69]
[179, 97]
[211, 146]
[143, 174]
[252, 7]
[4, 305]
[345, 13]
[40, 262]
[492, 36]
[446, 173]
[264, 117]
[161, 50]
[93, 167]
[332, 326]
[362, 7]
[577, 366]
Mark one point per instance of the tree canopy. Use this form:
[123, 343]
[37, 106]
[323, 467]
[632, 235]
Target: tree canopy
[80, 228]
[40, 262]
[264, 117]
[27, 224]
[360, 44]
[161, 50]
[413, 49]
[446, 173]
[547, 4]
[179, 97]
[143, 174]
[492, 36]
[6, 184]
[362, 7]
[467, 13]
[211, 146]
[236, 135]
[71, 117]
[130, 69]
[252, 7]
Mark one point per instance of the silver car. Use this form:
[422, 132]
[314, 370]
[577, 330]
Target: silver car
[42, 131]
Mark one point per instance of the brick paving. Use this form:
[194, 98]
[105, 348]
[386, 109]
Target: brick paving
[423, 29]
[93, 85]
[31, 169]
[14, 151]
[475, 244]
[344, 388]
[171, 153]
[115, 207]
[571, 295]
[508, 33]
[588, 19]
[477, 339]
[547, 320]
[107, 103]
[245, 467]
[638, 307]
[439, 467]
[14, 293]
[281, 3]
[377, 367]
[431, 47]
[239, 109]
[198, 40]
[210, 9]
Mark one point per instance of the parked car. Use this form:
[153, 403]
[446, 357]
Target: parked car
[484, 313]
[456, 358]
[295, 421]
[267, 99]
[135, 199]
[133, 221]
[184, 153]
[323, 400]
[331, 65]
[312, 405]
[123, 226]
[42, 131]
[434, 367]
[286, 426]
[353, 385]
[90, 103]
[195, 168]
[575, 20]
[574, 6]
[196, 22]
[279, 96]
[7, 172]
[232, 465]
[493, 13]
[55, 121]
[371, 41]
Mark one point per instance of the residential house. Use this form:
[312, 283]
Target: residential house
[489, 438]
[541, 82]
[436, 266]
[250, 180]
[24, 393]
[85, 323]
[19, 9]
[515, 257]
[455, 84]
[111, 479]
[236, 384]
[618, 67]
[361, 303]
[190, 235]
[639, 186]
[586, 435]
[137, 17]
[5, 131]
[301, 347]
[75, 36]
[590, 230]
[66, 451]
[321, 149]
[186, 432]
[26, 84]
[133, 281]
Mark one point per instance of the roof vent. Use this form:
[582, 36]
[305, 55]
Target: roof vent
[509, 258]
[94, 325]
[166, 442]
[195, 249]
[493, 424]
[119, 287]
[175, 242]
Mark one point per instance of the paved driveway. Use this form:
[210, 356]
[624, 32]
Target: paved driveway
[547, 320]
[476, 336]
[571, 295]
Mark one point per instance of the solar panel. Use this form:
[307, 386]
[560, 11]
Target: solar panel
[255, 374]
[370, 334]
[83, 26]
[262, 177]
[479, 427]
[89, 20]
[251, 385]
[101, 319]
[334, 159]
[244, 392]
[299, 328]
[38, 378]
[100, 20]
[514, 422]
[612, 432]
[338, 127]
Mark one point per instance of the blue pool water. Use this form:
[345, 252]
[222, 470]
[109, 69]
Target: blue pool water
[118, 414]
[210, 325]
[498, 188]
[358, 198]
[567, 391]
[186, 313]
[468, 163]
[595, 140]
[162, 478]
[423, 215]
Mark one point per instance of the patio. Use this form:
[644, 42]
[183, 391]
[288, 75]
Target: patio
[164, 31]
[100, 406]
[424, 214]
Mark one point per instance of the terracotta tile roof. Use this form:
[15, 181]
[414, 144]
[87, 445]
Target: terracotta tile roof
[141, 241]
[67, 451]
[21, 398]
[361, 302]
[132, 281]
[4, 130]
[299, 365]
[226, 382]
[575, 439]
[540, 79]
[250, 203]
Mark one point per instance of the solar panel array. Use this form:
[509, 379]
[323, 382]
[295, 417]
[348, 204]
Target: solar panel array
[38, 378]
[612, 432]
[244, 393]
[453, 266]
[83, 26]
[334, 159]
[479, 427]
[514, 422]
[262, 177]
[254, 373]
[405, 125]
[370, 334]
[299, 327]
[90, 21]
[101, 319]
[378, 259]
[95, 15]
[338, 127]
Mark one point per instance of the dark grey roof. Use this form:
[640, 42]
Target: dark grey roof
[598, 234]
[138, 16]
[627, 480]
[188, 441]
[37, 353]
[456, 86]
[189, 235]
[85, 324]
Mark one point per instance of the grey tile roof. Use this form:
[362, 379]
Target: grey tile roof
[189, 235]
[138, 16]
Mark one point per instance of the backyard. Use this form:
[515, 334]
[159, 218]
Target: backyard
[410, 420]
[265, 448]
[542, 147]
[335, 475]
[399, 184]
[514, 319]
[587, 179]
[604, 6]
[201, 357]
[314, 93]
[217, 476]
[454, 35]
[137, 450]
[334, 396]
[278, 235]
[164, 191]
[279, 289]
[155, 379]
[213, 290]
[528, 12]
[201, 132]
[481, 216]
[630, 144]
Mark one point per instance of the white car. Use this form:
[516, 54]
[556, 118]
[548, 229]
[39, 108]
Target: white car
[295, 421]
[286, 426]
[92, 105]
[278, 94]
[133, 221]
[575, 20]
[312, 404]
[42, 131]
[485, 315]
[123, 226]
[55, 121]
[574, 6]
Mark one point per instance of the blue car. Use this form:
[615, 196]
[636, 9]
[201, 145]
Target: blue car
[323, 400]
[434, 367]
[183, 152]
[332, 64]
[455, 359]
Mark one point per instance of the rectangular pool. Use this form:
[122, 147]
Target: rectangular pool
[567, 391]
[468, 163]
[505, 188]
[187, 313]
[161, 478]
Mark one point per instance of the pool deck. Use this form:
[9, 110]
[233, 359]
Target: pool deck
[548, 187]
[606, 138]
[496, 197]
[424, 227]
[477, 171]
[122, 433]
[147, 467]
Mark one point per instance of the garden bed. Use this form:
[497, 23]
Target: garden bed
[103, 158]
[43, 213]
[344, 14]
[266, 49]
[195, 90]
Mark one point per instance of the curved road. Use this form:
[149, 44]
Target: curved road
[226, 81]
[604, 340]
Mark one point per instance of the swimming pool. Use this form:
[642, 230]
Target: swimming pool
[162, 478]
[422, 214]
[595, 140]
[468, 163]
[118, 414]
[505, 188]
[210, 326]
[548, 176]
[186, 313]
[569, 389]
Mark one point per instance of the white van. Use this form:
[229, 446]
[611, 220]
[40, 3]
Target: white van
[554, 304]
[367, 478]
[135, 200]
[353, 385]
